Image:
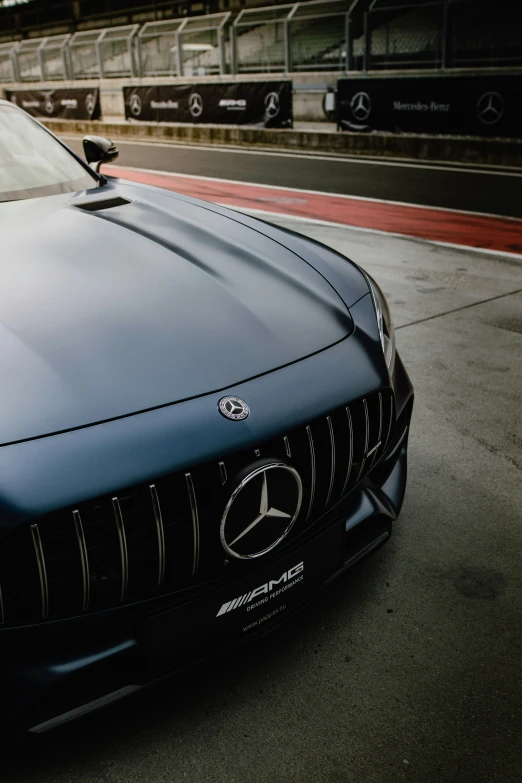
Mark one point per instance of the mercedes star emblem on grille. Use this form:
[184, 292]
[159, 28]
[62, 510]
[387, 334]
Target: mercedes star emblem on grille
[261, 510]
[233, 408]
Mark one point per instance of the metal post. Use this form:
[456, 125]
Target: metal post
[287, 45]
[99, 53]
[140, 57]
[222, 57]
[221, 45]
[65, 63]
[445, 53]
[367, 43]
[348, 63]
[16, 64]
[130, 47]
[41, 61]
[233, 49]
[179, 54]
[288, 38]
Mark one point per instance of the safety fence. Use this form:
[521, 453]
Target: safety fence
[311, 36]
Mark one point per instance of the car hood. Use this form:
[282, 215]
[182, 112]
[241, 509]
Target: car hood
[106, 312]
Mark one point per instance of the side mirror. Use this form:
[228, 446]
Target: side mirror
[99, 150]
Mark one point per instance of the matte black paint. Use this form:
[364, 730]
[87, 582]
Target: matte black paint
[166, 303]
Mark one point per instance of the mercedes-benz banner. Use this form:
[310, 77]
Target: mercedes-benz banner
[71, 103]
[455, 105]
[262, 104]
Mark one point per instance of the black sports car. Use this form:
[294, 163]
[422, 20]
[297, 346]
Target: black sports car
[204, 420]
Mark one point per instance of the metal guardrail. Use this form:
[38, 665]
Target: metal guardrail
[316, 35]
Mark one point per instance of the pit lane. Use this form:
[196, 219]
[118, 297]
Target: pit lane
[408, 668]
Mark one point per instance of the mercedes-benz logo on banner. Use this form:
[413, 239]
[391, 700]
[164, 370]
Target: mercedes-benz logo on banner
[195, 104]
[361, 106]
[490, 108]
[233, 408]
[272, 105]
[135, 104]
[48, 104]
[261, 511]
[90, 103]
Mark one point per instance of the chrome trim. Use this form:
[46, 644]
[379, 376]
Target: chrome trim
[42, 573]
[332, 459]
[2, 616]
[287, 447]
[84, 557]
[65, 717]
[350, 455]
[376, 448]
[195, 521]
[312, 465]
[260, 471]
[372, 451]
[223, 471]
[160, 532]
[123, 548]
[366, 438]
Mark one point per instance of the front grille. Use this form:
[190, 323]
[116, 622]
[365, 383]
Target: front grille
[161, 537]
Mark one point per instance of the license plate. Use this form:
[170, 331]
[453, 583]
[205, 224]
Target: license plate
[249, 605]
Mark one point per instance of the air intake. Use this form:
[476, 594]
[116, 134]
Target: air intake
[106, 203]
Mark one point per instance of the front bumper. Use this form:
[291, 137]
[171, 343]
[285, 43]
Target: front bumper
[68, 667]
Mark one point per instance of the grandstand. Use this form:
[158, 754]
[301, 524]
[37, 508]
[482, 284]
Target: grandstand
[307, 36]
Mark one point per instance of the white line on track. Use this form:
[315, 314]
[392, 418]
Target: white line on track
[317, 193]
[466, 168]
[316, 222]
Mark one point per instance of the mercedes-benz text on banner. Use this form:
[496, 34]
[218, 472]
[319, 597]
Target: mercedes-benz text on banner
[261, 104]
[72, 103]
[452, 105]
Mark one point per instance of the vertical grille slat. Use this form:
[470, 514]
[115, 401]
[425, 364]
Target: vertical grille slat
[366, 438]
[312, 471]
[390, 423]
[162, 537]
[332, 459]
[350, 452]
[84, 558]
[160, 533]
[123, 548]
[376, 446]
[288, 450]
[195, 521]
[223, 472]
[42, 571]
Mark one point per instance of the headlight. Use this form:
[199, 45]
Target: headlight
[384, 321]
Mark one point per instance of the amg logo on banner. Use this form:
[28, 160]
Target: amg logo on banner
[266, 590]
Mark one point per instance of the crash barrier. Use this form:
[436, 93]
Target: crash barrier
[495, 152]
[72, 103]
[452, 105]
[262, 104]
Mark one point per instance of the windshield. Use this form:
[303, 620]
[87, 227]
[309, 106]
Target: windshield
[33, 163]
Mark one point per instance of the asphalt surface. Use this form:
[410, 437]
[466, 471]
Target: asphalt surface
[408, 669]
[469, 189]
